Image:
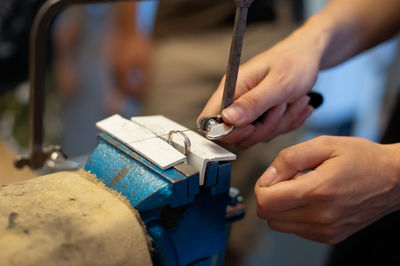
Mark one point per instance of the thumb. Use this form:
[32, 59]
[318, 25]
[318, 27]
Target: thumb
[243, 111]
[256, 101]
[293, 160]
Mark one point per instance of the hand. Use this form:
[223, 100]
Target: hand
[270, 93]
[351, 183]
[130, 61]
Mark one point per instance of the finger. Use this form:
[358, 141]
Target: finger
[313, 232]
[319, 214]
[265, 127]
[300, 121]
[239, 134]
[280, 197]
[293, 113]
[273, 125]
[303, 116]
[304, 191]
[249, 75]
[295, 159]
[252, 104]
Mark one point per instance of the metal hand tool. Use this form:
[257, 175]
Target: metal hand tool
[214, 125]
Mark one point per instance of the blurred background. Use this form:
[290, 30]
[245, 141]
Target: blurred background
[167, 58]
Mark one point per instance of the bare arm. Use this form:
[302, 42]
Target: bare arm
[271, 87]
[350, 27]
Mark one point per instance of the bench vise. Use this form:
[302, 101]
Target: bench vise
[188, 222]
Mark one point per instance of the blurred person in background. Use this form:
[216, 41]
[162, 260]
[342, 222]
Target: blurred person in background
[88, 68]
[84, 86]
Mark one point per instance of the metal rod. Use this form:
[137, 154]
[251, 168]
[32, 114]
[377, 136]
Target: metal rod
[235, 52]
[37, 73]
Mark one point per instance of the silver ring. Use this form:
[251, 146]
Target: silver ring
[186, 140]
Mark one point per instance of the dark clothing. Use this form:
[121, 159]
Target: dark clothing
[16, 18]
[191, 16]
[377, 244]
[392, 134]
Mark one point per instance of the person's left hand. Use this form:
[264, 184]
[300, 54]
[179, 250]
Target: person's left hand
[351, 183]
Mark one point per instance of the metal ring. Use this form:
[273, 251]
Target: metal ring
[186, 140]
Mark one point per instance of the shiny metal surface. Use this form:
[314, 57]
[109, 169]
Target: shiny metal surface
[218, 131]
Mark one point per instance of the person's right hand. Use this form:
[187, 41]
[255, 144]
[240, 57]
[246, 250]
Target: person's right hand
[270, 97]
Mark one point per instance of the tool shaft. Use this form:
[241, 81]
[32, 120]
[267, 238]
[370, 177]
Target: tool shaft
[234, 56]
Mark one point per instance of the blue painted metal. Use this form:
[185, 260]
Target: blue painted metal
[211, 174]
[197, 230]
[223, 178]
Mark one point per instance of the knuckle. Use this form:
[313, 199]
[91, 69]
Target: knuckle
[327, 217]
[285, 80]
[288, 157]
[250, 102]
[325, 140]
[322, 195]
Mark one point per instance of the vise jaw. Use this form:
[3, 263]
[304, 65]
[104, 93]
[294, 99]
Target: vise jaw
[187, 221]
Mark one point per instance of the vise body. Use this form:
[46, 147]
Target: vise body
[183, 203]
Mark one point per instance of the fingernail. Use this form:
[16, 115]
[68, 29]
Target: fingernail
[268, 178]
[233, 113]
[282, 109]
[303, 104]
[308, 110]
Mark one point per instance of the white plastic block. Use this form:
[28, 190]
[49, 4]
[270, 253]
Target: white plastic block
[202, 150]
[142, 140]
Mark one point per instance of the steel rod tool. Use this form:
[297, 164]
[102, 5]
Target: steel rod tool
[214, 125]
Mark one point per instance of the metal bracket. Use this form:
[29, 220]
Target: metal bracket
[214, 127]
[39, 155]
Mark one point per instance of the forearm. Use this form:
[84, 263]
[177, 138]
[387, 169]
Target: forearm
[345, 28]
[393, 157]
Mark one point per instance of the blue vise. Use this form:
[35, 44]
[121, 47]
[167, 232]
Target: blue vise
[189, 223]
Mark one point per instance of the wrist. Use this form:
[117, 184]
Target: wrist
[393, 157]
[320, 30]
